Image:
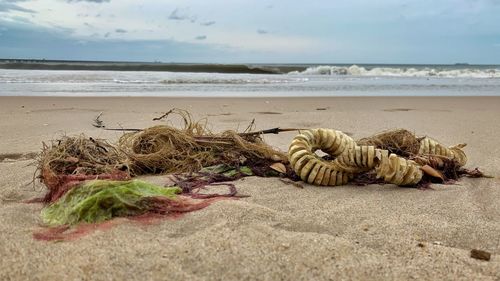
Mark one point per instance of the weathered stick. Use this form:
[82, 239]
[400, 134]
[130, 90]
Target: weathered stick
[98, 123]
[276, 130]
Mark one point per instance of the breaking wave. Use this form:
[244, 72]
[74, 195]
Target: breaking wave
[131, 66]
[354, 70]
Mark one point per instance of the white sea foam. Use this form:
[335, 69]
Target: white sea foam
[337, 81]
[224, 80]
[129, 77]
[355, 70]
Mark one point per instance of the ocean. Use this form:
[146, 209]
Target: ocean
[67, 78]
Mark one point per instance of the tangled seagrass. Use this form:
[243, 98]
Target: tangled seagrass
[352, 159]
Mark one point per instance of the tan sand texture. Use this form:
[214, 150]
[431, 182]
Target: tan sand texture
[280, 232]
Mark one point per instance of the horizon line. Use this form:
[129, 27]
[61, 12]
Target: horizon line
[38, 60]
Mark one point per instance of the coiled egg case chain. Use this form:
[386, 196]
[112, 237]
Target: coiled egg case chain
[350, 158]
[397, 170]
[430, 146]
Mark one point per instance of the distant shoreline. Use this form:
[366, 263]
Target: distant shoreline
[141, 66]
[36, 64]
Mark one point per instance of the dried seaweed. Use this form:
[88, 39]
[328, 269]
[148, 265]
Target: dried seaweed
[193, 184]
[166, 149]
[79, 155]
[400, 141]
[156, 150]
[70, 160]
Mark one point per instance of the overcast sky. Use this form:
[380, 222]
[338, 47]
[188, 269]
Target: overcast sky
[236, 31]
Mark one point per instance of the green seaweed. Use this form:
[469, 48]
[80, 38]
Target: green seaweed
[100, 200]
[227, 170]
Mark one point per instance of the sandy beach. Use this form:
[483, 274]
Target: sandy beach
[280, 232]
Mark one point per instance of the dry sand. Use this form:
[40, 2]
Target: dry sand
[280, 232]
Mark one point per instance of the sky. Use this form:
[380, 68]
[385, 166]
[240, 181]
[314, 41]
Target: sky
[253, 31]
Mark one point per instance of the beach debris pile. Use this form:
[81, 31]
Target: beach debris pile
[91, 180]
[397, 157]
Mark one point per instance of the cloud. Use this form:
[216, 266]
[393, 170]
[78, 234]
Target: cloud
[91, 1]
[257, 31]
[175, 15]
[208, 23]
[201, 37]
[29, 41]
[8, 6]
[120, 30]
[19, 19]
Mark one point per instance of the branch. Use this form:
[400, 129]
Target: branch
[269, 131]
[98, 123]
[164, 115]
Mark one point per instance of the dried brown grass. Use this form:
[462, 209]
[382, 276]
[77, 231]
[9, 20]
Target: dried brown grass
[399, 141]
[165, 149]
[155, 150]
[79, 155]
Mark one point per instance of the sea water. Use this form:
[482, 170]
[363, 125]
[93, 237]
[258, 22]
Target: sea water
[281, 81]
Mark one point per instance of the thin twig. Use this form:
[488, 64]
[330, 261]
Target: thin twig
[269, 131]
[250, 126]
[123, 129]
[291, 182]
[98, 123]
[262, 132]
[164, 115]
[215, 141]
